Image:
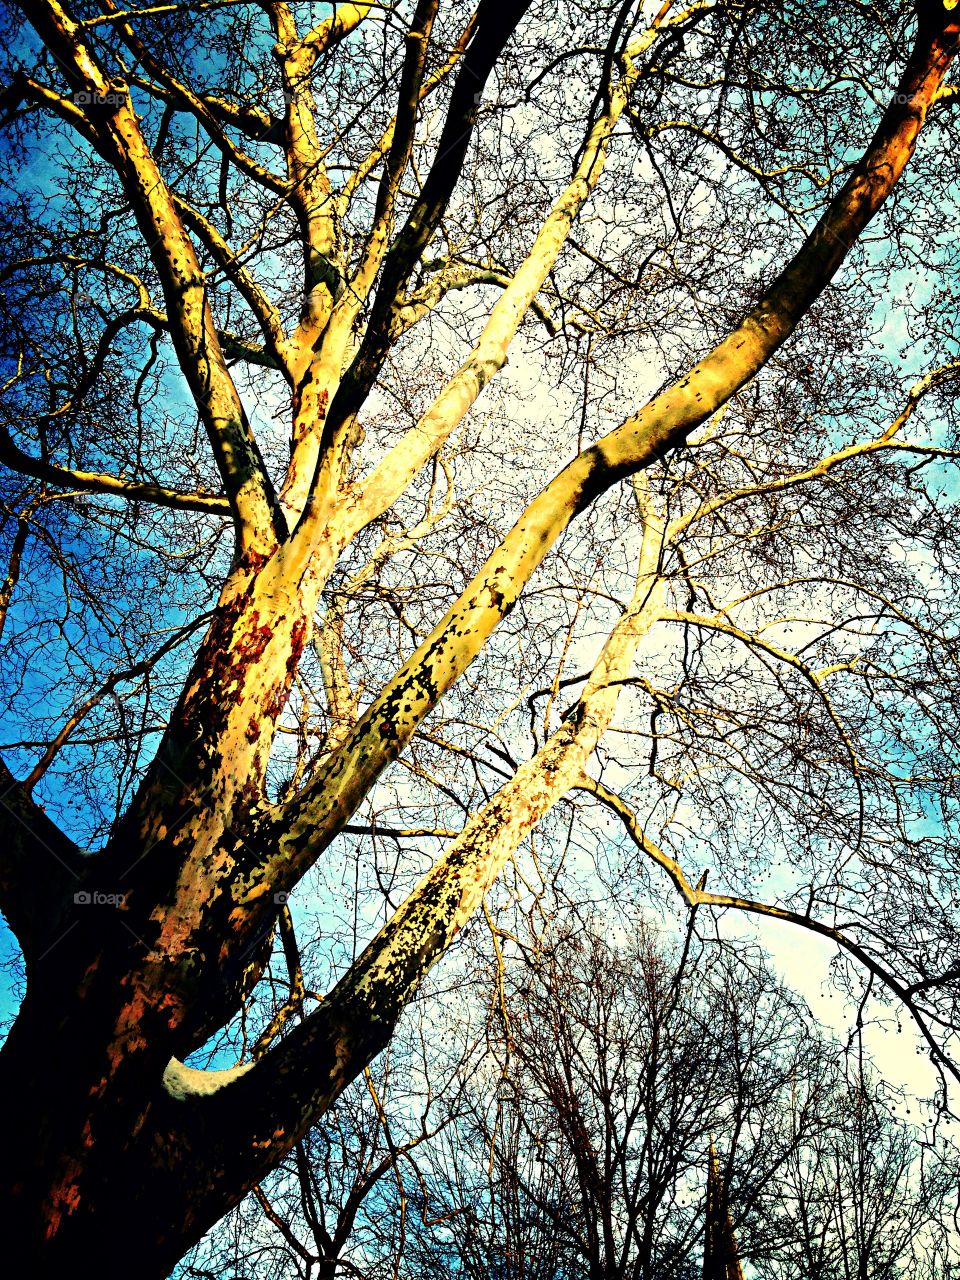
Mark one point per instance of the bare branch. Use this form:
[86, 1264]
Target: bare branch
[115, 124]
[98, 482]
[695, 897]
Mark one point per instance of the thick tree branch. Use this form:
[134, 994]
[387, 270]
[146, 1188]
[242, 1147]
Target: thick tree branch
[324, 340]
[327, 34]
[321, 447]
[309, 192]
[494, 27]
[318, 1058]
[378, 491]
[305, 827]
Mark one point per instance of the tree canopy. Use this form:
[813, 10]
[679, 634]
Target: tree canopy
[436, 438]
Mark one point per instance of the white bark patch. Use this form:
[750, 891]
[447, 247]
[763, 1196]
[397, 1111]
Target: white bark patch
[182, 1082]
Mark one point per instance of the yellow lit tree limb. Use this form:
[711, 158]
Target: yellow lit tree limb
[396, 960]
[885, 442]
[345, 19]
[663, 424]
[400, 254]
[310, 193]
[113, 120]
[113, 486]
[364, 502]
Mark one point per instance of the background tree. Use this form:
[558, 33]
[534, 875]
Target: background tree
[262, 262]
[619, 1062]
[865, 1197]
[574, 1137]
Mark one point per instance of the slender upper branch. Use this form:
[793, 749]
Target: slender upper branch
[267, 315]
[121, 676]
[182, 96]
[699, 896]
[309, 823]
[112, 119]
[115, 486]
[15, 560]
[887, 441]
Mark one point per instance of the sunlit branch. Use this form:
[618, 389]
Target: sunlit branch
[293, 1005]
[885, 443]
[99, 482]
[494, 26]
[194, 335]
[662, 424]
[391, 477]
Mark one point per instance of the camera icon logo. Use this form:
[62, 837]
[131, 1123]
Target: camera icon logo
[84, 98]
[82, 898]
[281, 898]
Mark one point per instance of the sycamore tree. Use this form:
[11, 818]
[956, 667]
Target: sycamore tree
[308, 586]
